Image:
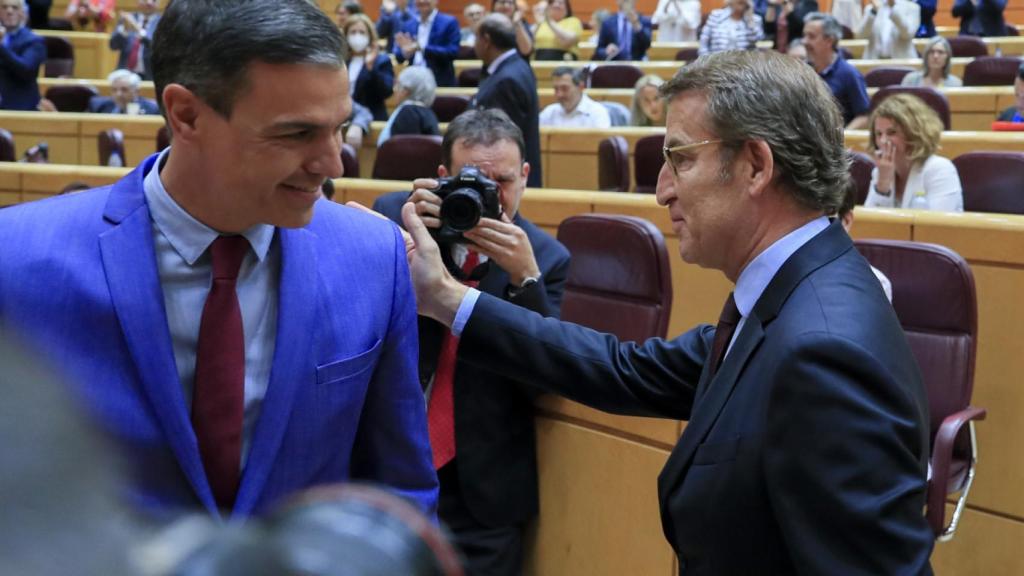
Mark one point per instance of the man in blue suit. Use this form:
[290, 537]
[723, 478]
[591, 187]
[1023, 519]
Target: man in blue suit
[980, 17]
[624, 35]
[431, 41]
[21, 54]
[808, 433]
[239, 337]
[124, 96]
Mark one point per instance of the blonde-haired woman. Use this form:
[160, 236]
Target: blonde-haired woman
[371, 77]
[905, 133]
[648, 107]
[935, 66]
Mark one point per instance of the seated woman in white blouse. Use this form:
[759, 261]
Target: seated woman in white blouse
[905, 132]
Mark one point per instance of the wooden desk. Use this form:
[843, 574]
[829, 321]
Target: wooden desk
[93, 56]
[146, 87]
[72, 137]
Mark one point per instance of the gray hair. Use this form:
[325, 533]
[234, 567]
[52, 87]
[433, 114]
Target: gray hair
[771, 97]
[207, 45]
[419, 82]
[830, 27]
[484, 127]
[121, 74]
[949, 55]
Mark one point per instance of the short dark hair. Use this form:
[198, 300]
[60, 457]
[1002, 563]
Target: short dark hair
[481, 128]
[499, 30]
[352, 6]
[207, 45]
[1020, 70]
[578, 73]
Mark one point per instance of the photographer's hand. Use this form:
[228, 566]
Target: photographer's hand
[428, 204]
[508, 246]
[438, 294]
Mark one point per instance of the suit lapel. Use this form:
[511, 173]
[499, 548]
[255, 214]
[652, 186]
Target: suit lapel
[297, 305]
[129, 262]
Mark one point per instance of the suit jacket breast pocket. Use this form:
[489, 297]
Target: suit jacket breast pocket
[348, 368]
[716, 452]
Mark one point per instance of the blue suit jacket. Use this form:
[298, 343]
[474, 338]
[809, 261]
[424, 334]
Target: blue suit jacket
[343, 400]
[804, 454]
[989, 15]
[609, 34]
[441, 49]
[106, 105]
[20, 60]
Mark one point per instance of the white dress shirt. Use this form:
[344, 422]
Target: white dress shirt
[587, 114]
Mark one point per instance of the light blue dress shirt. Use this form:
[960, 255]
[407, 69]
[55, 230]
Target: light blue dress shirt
[186, 272]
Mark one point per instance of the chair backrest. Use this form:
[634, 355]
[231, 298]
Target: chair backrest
[110, 142]
[466, 53]
[992, 181]
[71, 98]
[619, 278]
[618, 113]
[407, 157]
[7, 149]
[647, 161]
[613, 165]
[447, 106]
[861, 165]
[60, 58]
[470, 77]
[62, 24]
[932, 97]
[163, 138]
[847, 32]
[991, 71]
[615, 76]
[686, 55]
[350, 161]
[886, 76]
[1011, 30]
[967, 46]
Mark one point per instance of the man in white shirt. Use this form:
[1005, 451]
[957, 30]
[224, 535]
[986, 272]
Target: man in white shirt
[574, 109]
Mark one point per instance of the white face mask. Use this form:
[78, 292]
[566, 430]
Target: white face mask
[358, 41]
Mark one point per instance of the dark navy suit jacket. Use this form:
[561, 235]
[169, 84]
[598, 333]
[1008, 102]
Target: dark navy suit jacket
[988, 14]
[805, 453]
[609, 34]
[374, 85]
[21, 54]
[441, 49]
[513, 89]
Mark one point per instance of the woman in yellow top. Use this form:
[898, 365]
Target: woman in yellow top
[558, 35]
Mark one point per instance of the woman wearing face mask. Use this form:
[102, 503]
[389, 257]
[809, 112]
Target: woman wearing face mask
[370, 75]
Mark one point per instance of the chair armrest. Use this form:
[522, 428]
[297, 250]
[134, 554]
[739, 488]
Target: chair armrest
[942, 455]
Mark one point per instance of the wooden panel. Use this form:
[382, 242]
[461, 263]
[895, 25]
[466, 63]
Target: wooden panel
[139, 135]
[146, 87]
[984, 545]
[890, 224]
[663, 433]
[93, 56]
[954, 143]
[599, 505]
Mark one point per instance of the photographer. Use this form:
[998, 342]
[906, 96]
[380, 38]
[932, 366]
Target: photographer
[486, 464]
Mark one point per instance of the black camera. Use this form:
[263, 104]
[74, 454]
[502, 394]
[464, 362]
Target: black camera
[465, 199]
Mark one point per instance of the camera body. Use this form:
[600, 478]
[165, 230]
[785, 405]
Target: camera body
[465, 199]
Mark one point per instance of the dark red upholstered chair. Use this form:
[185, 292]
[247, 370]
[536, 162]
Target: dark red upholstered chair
[60, 58]
[447, 106]
[110, 142]
[613, 165]
[1011, 30]
[967, 46]
[62, 24]
[470, 77]
[71, 98]
[408, 157]
[619, 278]
[886, 76]
[163, 138]
[861, 165]
[350, 161]
[991, 71]
[7, 149]
[647, 161]
[466, 53]
[846, 54]
[686, 55]
[927, 278]
[992, 181]
[847, 32]
[615, 76]
[931, 97]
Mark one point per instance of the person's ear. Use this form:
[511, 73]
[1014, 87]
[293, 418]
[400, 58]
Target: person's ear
[442, 172]
[526, 172]
[181, 109]
[761, 166]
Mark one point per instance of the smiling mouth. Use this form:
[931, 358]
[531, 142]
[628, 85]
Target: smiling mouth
[305, 190]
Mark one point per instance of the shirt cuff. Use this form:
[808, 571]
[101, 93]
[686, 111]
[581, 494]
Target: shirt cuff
[465, 311]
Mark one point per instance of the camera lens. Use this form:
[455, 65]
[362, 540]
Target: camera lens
[461, 209]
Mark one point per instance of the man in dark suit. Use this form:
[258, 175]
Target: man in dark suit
[124, 96]
[806, 447]
[980, 17]
[489, 487]
[133, 37]
[509, 85]
[624, 35]
[431, 41]
[21, 54]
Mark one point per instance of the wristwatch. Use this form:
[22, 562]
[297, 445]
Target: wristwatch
[514, 291]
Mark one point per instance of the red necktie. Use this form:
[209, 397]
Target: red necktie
[441, 406]
[220, 373]
[133, 54]
[727, 322]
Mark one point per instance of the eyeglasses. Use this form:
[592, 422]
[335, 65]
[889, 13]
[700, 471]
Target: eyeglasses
[668, 152]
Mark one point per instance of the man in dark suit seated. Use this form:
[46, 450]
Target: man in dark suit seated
[431, 41]
[808, 436]
[486, 464]
[21, 54]
[124, 97]
[509, 85]
[624, 35]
